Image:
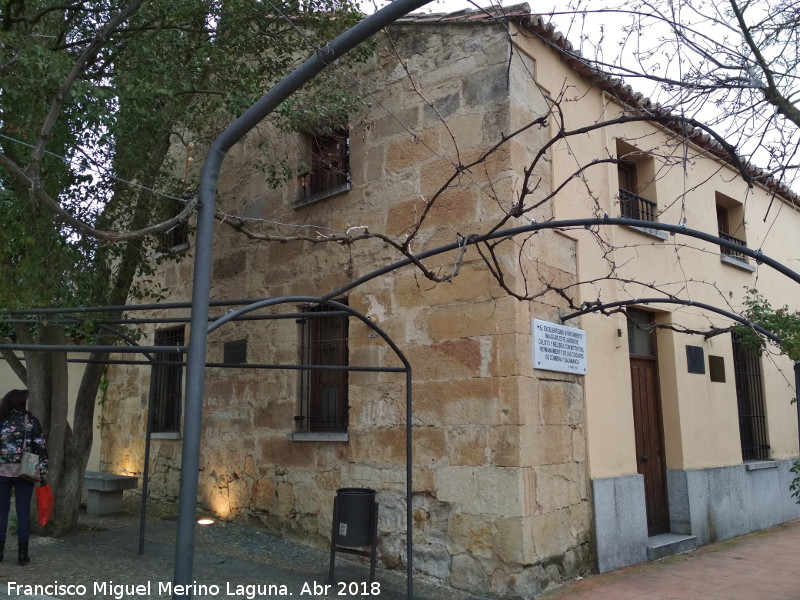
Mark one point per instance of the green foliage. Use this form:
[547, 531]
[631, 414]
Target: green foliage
[783, 322]
[117, 140]
[794, 487]
[786, 325]
[183, 67]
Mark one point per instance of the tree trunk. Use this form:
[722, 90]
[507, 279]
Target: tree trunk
[69, 447]
[57, 427]
[48, 400]
[16, 365]
[68, 496]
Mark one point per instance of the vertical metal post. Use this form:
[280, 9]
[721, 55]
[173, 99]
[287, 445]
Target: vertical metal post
[334, 522]
[195, 368]
[409, 493]
[146, 471]
[374, 538]
[195, 376]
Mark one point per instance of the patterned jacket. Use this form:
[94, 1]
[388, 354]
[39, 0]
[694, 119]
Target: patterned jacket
[12, 434]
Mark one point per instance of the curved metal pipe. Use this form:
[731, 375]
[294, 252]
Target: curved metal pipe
[599, 306]
[756, 255]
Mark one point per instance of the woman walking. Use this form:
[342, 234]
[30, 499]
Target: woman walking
[18, 429]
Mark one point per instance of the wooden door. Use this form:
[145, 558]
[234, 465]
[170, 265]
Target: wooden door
[650, 441]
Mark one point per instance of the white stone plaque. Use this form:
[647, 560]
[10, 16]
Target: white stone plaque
[558, 348]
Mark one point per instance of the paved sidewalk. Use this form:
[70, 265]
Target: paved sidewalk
[759, 566]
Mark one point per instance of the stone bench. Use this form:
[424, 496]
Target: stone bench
[104, 491]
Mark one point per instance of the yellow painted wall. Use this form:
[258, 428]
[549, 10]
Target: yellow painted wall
[700, 417]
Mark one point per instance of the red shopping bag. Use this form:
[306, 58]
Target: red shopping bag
[44, 502]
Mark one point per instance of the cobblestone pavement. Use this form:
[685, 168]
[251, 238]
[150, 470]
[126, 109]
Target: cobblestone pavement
[230, 561]
[235, 562]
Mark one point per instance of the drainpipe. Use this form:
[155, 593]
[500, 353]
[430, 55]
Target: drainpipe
[195, 366]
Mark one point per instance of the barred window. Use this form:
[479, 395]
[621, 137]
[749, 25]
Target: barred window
[167, 373]
[730, 225]
[750, 401]
[330, 168]
[323, 388]
[635, 172]
[176, 238]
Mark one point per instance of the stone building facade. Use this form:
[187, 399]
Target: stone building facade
[506, 463]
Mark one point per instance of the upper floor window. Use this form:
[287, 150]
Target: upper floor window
[730, 225]
[176, 238]
[324, 386]
[636, 172]
[330, 167]
[628, 179]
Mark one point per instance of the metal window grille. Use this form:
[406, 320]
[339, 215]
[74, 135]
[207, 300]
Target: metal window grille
[724, 233]
[168, 387]
[750, 399]
[730, 251]
[636, 207]
[330, 165]
[323, 391]
[176, 237]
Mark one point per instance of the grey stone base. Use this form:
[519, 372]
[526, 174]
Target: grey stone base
[104, 491]
[669, 544]
[620, 522]
[104, 503]
[720, 503]
[706, 505]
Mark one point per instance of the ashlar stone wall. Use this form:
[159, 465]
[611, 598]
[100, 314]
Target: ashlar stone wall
[499, 480]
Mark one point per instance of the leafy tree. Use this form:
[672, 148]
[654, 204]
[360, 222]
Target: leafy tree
[96, 99]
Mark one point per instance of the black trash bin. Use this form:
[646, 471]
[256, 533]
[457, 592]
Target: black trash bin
[354, 518]
[354, 525]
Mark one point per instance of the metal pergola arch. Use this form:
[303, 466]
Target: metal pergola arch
[586, 223]
[240, 314]
[602, 306]
[757, 255]
[200, 314]
[346, 309]
[604, 221]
